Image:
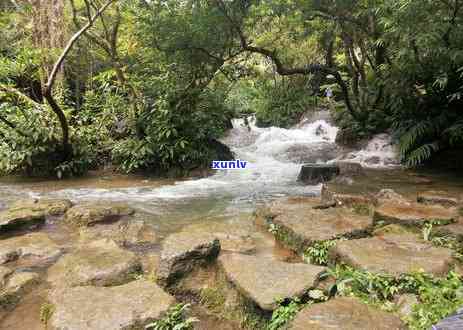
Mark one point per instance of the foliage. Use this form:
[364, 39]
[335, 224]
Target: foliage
[284, 313]
[318, 252]
[174, 320]
[439, 297]
[46, 311]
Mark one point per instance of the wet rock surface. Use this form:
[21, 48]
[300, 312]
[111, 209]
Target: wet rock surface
[20, 218]
[99, 263]
[47, 206]
[90, 214]
[125, 233]
[344, 314]
[310, 153]
[122, 307]
[393, 254]
[37, 247]
[265, 281]
[413, 214]
[15, 287]
[183, 251]
[313, 174]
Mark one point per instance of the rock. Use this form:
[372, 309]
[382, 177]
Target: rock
[127, 233]
[405, 304]
[318, 152]
[99, 263]
[437, 198]
[129, 306]
[4, 273]
[314, 174]
[38, 248]
[47, 206]
[298, 225]
[344, 313]
[373, 160]
[265, 281]
[350, 168]
[182, 252]
[454, 230]
[20, 218]
[413, 214]
[233, 237]
[389, 195]
[390, 229]
[393, 254]
[348, 200]
[90, 214]
[16, 286]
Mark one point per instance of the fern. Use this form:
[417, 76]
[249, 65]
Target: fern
[422, 153]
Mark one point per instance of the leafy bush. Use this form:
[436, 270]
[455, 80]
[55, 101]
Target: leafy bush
[318, 252]
[174, 320]
[282, 104]
[283, 314]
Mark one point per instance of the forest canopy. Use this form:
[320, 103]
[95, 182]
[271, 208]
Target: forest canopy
[152, 85]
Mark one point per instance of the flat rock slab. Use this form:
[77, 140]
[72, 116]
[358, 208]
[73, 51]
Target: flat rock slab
[393, 254]
[90, 214]
[125, 233]
[414, 214]
[183, 251]
[265, 281]
[15, 287]
[99, 263]
[438, 198]
[35, 246]
[47, 206]
[299, 225]
[20, 218]
[234, 237]
[345, 313]
[314, 174]
[453, 230]
[110, 308]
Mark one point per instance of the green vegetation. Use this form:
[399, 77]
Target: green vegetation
[318, 252]
[284, 313]
[174, 320]
[153, 85]
[46, 311]
[438, 297]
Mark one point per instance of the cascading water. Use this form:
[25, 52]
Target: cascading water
[274, 157]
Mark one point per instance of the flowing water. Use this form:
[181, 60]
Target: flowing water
[227, 198]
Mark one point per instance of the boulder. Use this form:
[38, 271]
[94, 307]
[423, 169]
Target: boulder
[393, 254]
[298, 225]
[350, 169]
[125, 233]
[91, 214]
[265, 281]
[233, 237]
[404, 304]
[99, 263]
[413, 214]
[15, 287]
[437, 198]
[37, 248]
[344, 313]
[129, 306]
[20, 218]
[389, 195]
[454, 230]
[47, 206]
[314, 174]
[318, 152]
[182, 252]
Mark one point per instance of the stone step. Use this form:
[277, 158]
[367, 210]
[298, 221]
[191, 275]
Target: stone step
[128, 306]
[298, 225]
[345, 313]
[413, 214]
[393, 253]
[265, 281]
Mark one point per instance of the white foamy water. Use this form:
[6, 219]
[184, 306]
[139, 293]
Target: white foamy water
[380, 152]
[274, 156]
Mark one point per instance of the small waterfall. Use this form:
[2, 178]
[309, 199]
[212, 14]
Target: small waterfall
[274, 157]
